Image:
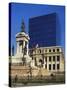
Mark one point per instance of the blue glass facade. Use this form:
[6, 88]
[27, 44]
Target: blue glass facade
[43, 30]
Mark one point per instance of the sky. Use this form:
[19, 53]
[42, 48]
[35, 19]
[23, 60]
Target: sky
[21, 11]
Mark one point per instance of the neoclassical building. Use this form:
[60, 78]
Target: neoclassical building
[49, 58]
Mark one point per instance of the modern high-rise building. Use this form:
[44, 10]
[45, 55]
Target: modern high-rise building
[44, 30]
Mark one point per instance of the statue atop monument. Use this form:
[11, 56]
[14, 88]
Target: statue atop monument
[23, 26]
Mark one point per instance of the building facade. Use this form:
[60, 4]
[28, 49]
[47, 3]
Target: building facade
[44, 30]
[49, 58]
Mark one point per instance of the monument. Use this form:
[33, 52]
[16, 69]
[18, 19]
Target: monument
[22, 51]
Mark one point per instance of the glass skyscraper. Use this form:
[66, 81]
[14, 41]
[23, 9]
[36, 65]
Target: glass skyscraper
[44, 30]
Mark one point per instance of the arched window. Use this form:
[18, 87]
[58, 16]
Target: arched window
[53, 50]
[49, 50]
[58, 50]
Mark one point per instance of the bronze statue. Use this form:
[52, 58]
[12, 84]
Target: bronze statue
[23, 26]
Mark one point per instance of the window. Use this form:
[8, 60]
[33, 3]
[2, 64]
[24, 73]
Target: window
[45, 59]
[49, 66]
[57, 50]
[49, 50]
[53, 50]
[58, 58]
[53, 66]
[58, 66]
[53, 58]
[49, 58]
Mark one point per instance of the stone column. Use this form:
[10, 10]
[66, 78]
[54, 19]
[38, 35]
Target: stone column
[21, 49]
[23, 44]
[48, 63]
[44, 63]
[17, 47]
[27, 49]
[51, 63]
[55, 63]
[60, 63]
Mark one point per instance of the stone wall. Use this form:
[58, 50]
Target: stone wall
[21, 71]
